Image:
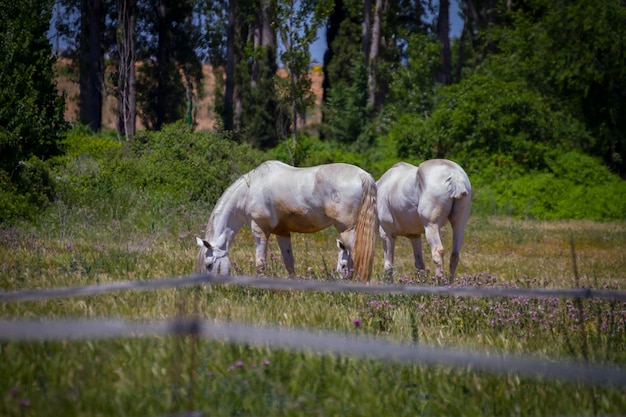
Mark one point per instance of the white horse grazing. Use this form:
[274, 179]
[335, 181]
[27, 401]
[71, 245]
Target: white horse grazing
[278, 199]
[420, 200]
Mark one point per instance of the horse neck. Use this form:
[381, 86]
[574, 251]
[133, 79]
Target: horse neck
[228, 216]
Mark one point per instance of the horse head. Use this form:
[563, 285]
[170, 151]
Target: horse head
[212, 259]
[344, 260]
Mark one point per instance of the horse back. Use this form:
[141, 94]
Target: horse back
[443, 179]
[445, 191]
[289, 199]
[398, 200]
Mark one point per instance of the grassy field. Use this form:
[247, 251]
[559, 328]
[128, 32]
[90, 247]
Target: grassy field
[163, 375]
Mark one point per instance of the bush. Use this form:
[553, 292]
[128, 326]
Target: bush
[187, 165]
[80, 172]
[486, 117]
[144, 182]
[310, 151]
[25, 192]
[346, 115]
[574, 187]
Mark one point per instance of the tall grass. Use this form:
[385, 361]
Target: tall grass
[161, 375]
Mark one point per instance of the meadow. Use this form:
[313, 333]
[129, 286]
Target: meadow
[168, 375]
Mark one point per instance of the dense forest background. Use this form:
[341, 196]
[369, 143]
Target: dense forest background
[530, 99]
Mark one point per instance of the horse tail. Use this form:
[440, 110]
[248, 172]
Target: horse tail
[365, 230]
[457, 185]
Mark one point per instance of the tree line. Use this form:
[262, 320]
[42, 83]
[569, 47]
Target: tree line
[524, 78]
[245, 41]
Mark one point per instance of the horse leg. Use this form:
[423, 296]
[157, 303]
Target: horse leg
[347, 238]
[436, 247]
[457, 242]
[260, 242]
[344, 261]
[284, 243]
[458, 219]
[416, 243]
[389, 245]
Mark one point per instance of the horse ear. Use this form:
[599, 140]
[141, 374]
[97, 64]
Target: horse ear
[341, 245]
[203, 243]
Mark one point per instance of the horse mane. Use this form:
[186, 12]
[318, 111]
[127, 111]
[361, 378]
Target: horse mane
[221, 202]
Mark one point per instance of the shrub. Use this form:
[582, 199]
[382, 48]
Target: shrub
[187, 165]
[148, 180]
[486, 117]
[345, 111]
[574, 186]
[81, 176]
[25, 192]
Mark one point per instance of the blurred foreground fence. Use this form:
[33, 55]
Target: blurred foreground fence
[330, 343]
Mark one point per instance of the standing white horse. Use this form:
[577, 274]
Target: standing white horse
[278, 199]
[421, 200]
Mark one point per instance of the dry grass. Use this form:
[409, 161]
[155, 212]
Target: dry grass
[508, 248]
[108, 377]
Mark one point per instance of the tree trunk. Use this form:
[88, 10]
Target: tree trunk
[264, 37]
[445, 76]
[367, 29]
[471, 9]
[162, 65]
[332, 31]
[287, 38]
[91, 73]
[229, 93]
[461, 57]
[491, 12]
[491, 20]
[373, 56]
[127, 96]
[483, 17]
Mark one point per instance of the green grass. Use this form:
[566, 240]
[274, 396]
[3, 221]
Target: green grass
[161, 375]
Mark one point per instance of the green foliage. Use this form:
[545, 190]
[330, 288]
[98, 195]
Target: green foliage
[25, 193]
[515, 147]
[573, 53]
[485, 116]
[344, 43]
[574, 187]
[345, 112]
[150, 178]
[403, 134]
[297, 24]
[187, 165]
[580, 169]
[31, 111]
[171, 69]
[262, 124]
[412, 89]
[148, 95]
[81, 141]
[512, 122]
[310, 151]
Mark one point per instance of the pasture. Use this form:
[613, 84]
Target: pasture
[168, 375]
